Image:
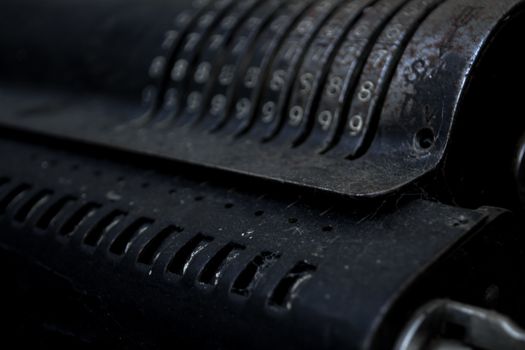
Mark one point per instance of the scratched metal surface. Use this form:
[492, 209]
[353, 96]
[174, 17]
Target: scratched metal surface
[358, 98]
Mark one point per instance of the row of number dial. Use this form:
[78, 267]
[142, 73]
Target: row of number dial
[311, 73]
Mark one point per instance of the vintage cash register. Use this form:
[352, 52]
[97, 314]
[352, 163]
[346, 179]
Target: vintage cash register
[262, 174]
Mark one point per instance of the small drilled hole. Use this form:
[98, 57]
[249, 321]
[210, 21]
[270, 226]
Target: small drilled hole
[425, 138]
[228, 205]
[259, 213]
[172, 191]
[199, 198]
[328, 229]
[292, 220]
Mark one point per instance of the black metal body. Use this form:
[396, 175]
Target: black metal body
[256, 174]
[359, 273]
[416, 60]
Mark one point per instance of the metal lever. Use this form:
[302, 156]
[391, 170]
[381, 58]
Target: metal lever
[448, 325]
